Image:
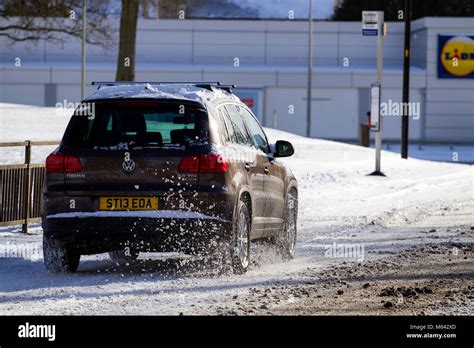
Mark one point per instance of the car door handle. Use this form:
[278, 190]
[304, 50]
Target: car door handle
[266, 170]
[247, 167]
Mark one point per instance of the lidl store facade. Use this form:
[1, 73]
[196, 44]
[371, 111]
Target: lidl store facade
[267, 60]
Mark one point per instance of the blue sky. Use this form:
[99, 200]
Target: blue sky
[322, 9]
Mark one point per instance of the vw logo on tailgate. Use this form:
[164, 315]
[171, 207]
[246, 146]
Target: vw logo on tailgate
[128, 166]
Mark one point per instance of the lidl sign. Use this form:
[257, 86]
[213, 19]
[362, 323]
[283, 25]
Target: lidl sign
[456, 56]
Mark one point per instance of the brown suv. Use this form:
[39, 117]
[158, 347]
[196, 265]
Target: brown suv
[166, 167]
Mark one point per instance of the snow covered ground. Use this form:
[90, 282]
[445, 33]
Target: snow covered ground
[418, 202]
[462, 153]
[25, 122]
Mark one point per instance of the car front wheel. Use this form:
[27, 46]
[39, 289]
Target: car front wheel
[286, 240]
[241, 244]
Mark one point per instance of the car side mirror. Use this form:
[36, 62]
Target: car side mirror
[283, 148]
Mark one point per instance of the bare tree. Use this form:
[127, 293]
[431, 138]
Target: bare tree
[128, 34]
[34, 20]
[148, 9]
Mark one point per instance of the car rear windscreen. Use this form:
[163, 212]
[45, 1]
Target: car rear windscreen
[122, 125]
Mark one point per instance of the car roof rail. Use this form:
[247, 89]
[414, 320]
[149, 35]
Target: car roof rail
[207, 85]
[227, 88]
[210, 86]
[118, 83]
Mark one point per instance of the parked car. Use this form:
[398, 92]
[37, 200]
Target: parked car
[166, 167]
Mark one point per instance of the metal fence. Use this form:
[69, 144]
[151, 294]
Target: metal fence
[20, 188]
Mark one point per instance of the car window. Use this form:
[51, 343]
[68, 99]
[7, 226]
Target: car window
[225, 129]
[119, 125]
[259, 139]
[237, 123]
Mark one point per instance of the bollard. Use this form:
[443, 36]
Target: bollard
[364, 132]
[364, 135]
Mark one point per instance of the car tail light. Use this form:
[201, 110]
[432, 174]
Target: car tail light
[55, 163]
[213, 163]
[204, 163]
[189, 164]
[72, 164]
[60, 163]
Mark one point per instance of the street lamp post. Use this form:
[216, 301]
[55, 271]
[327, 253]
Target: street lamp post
[406, 80]
[310, 69]
[83, 46]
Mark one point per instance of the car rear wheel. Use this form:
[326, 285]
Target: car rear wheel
[240, 253]
[59, 259]
[124, 255]
[286, 240]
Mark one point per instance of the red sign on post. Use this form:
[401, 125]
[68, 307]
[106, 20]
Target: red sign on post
[248, 101]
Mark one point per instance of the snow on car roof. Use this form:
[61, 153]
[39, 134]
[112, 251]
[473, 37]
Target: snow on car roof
[156, 91]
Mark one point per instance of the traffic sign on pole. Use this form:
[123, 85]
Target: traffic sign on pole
[370, 20]
[373, 25]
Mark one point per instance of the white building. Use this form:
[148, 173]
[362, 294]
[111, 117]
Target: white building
[267, 61]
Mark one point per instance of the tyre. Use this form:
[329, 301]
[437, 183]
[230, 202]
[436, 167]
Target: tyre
[240, 251]
[124, 255]
[286, 240]
[59, 259]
